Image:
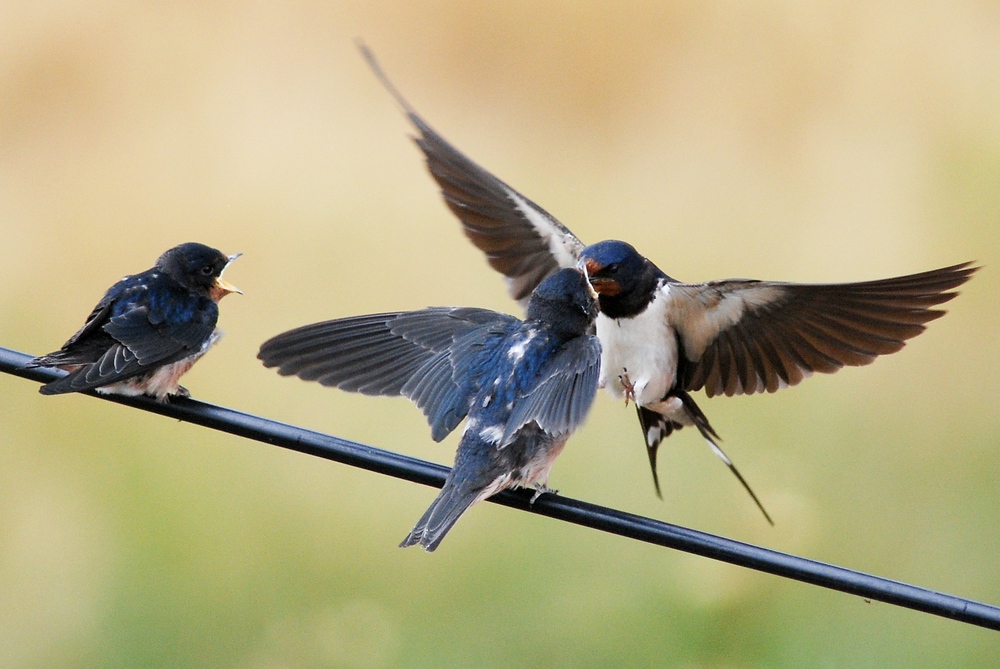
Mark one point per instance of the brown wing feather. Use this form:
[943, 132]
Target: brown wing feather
[521, 240]
[741, 337]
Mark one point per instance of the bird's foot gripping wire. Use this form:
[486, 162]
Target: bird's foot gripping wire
[541, 489]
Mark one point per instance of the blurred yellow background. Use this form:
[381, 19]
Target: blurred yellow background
[797, 141]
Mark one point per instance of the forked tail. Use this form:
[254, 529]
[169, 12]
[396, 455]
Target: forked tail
[441, 516]
[656, 427]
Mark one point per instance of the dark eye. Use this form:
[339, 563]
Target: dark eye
[207, 270]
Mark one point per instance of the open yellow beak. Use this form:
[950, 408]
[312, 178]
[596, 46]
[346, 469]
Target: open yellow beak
[223, 287]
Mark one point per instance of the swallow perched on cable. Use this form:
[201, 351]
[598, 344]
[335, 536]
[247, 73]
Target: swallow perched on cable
[148, 329]
[523, 386]
[663, 338]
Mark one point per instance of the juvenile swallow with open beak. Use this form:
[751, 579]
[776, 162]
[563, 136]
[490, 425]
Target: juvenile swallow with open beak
[148, 329]
[662, 338]
[522, 386]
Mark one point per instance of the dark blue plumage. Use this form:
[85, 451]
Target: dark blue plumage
[148, 329]
[523, 386]
[662, 338]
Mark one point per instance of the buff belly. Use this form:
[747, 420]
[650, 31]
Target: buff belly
[163, 381]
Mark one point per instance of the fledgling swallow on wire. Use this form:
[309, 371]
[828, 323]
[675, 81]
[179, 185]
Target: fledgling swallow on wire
[663, 338]
[522, 386]
[148, 329]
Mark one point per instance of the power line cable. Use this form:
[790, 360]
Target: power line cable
[555, 506]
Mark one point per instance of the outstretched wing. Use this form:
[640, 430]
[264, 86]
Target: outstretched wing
[566, 387]
[521, 240]
[399, 353]
[742, 336]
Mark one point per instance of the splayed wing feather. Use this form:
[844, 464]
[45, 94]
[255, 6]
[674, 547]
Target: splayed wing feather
[742, 336]
[520, 239]
[422, 355]
[329, 353]
[445, 402]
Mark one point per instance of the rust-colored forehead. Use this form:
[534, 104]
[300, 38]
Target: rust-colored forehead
[592, 266]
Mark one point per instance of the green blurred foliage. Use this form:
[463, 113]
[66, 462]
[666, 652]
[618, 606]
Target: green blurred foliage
[799, 141]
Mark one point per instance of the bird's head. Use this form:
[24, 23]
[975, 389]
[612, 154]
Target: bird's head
[198, 268]
[565, 301]
[613, 267]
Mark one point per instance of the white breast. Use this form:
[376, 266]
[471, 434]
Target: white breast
[642, 349]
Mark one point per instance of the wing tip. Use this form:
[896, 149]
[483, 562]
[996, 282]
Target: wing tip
[386, 82]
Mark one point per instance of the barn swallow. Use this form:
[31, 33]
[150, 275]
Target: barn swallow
[523, 386]
[148, 329]
[662, 338]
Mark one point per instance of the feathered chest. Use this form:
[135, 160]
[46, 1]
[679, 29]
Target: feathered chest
[640, 350]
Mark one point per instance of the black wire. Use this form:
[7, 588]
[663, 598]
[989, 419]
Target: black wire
[554, 506]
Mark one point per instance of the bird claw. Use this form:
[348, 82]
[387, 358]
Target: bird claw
[627, 385]
[541, 489]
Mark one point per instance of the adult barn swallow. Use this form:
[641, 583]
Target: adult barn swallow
[663, 338]
[524, 386]
[148, 329]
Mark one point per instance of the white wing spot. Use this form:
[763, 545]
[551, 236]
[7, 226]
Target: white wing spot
[516, 351]
[471, 425]
[491, 434]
